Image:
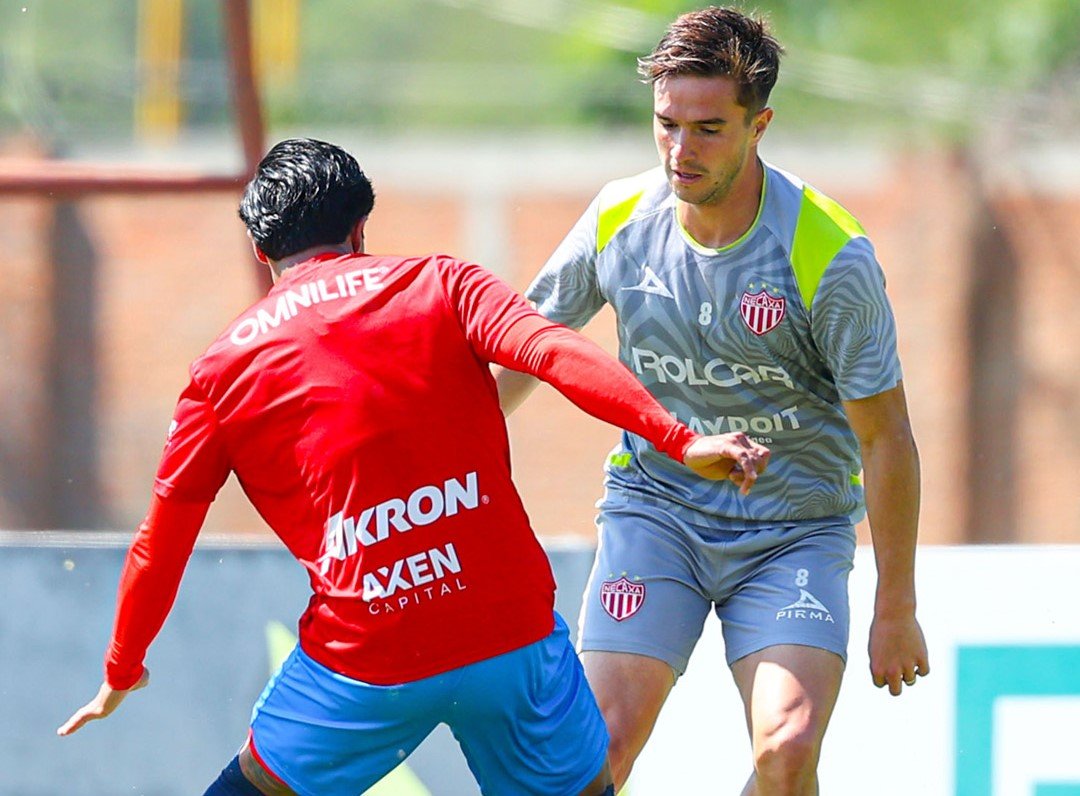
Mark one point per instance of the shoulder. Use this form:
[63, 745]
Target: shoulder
[813, 219]
[277, 318]
[815, 229]
[622, 201]
[635, 187]
[228, 354]
[452, 274]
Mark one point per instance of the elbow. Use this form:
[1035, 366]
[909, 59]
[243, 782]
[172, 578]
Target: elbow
[893, 437]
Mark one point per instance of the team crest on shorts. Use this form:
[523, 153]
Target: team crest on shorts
[761, 312]
[621, 598]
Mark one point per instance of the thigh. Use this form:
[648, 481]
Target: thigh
[644, 595]
[322, 733]
[792, 588]
[631, 690]
[788, 691]
[527, 721]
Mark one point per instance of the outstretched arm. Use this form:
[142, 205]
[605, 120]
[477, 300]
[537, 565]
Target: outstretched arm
[891, 471]
[148, 584]
[503, 329]
[599, 384]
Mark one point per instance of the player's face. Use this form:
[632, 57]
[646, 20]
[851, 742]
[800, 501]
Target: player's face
[705, 138]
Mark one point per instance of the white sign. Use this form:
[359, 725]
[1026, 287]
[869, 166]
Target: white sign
[999, 715]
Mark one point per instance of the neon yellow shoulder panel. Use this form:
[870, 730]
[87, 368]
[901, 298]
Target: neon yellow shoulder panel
[822, 230]
[617, 202]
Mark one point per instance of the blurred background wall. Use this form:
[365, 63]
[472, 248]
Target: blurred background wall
[948, 127]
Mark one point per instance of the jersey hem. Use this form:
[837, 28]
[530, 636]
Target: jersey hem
[858, 395]
[441, 664]
[706, 519]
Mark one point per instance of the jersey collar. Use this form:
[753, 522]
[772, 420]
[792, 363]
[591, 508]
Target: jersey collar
[708, 250]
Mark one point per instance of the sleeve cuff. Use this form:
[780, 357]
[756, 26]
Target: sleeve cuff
[123, 679]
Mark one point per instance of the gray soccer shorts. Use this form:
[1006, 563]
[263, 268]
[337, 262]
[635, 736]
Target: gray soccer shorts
[657, 573]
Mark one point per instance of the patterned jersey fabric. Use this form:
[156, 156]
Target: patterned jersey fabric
[767, 335]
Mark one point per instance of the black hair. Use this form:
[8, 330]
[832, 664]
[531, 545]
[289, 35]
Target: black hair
[304, 193]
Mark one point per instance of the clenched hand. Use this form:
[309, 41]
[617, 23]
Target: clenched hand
[732, 456]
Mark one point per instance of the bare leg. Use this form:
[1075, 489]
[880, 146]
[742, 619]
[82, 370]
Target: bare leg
[258, 776]
[630, 690]
[788, 692]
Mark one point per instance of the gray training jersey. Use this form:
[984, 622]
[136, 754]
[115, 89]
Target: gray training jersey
[767, 336]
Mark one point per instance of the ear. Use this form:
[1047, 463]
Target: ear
[356, 236]
[260, 255]
[761, 123]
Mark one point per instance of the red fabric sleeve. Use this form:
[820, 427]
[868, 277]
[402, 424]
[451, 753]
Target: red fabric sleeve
[194, 463]
[485, 305]
[148, 584]
[592, 380]
[193, 467]
[503, 328]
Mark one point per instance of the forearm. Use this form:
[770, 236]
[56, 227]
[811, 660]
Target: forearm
[594, 381]
[891, 473]
[514, 387]
[148, 584]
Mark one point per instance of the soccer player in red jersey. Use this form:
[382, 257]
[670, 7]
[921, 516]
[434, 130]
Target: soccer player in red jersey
[354, 404]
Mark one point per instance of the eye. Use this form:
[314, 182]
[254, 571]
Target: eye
[710, 130]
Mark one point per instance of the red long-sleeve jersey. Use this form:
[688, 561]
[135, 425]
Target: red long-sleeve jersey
[355, 405]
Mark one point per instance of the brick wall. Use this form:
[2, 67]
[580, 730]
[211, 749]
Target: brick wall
[169, 272]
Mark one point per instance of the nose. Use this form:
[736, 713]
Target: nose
[677, 146]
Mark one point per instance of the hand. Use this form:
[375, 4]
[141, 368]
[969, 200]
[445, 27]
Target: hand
[732, 456]
[107, 700]
[897, 652]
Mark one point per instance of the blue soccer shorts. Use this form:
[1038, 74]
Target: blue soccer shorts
[526, 722]
[659, 569]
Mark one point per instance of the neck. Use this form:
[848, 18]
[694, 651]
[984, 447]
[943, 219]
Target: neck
[277, 267]
[722, 222]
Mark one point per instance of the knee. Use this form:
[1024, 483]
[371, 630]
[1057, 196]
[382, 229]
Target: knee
[787, 758]
[621, 757]
[630, 690]
[627, 736]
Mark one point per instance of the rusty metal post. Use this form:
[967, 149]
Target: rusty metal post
[245, 93]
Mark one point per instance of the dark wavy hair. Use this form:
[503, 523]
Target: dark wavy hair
[304, 193]
[715, 42]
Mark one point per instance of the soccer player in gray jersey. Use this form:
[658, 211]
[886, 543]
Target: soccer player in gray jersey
[749, 302]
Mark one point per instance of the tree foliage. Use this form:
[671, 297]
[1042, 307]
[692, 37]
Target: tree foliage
[407, 64]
